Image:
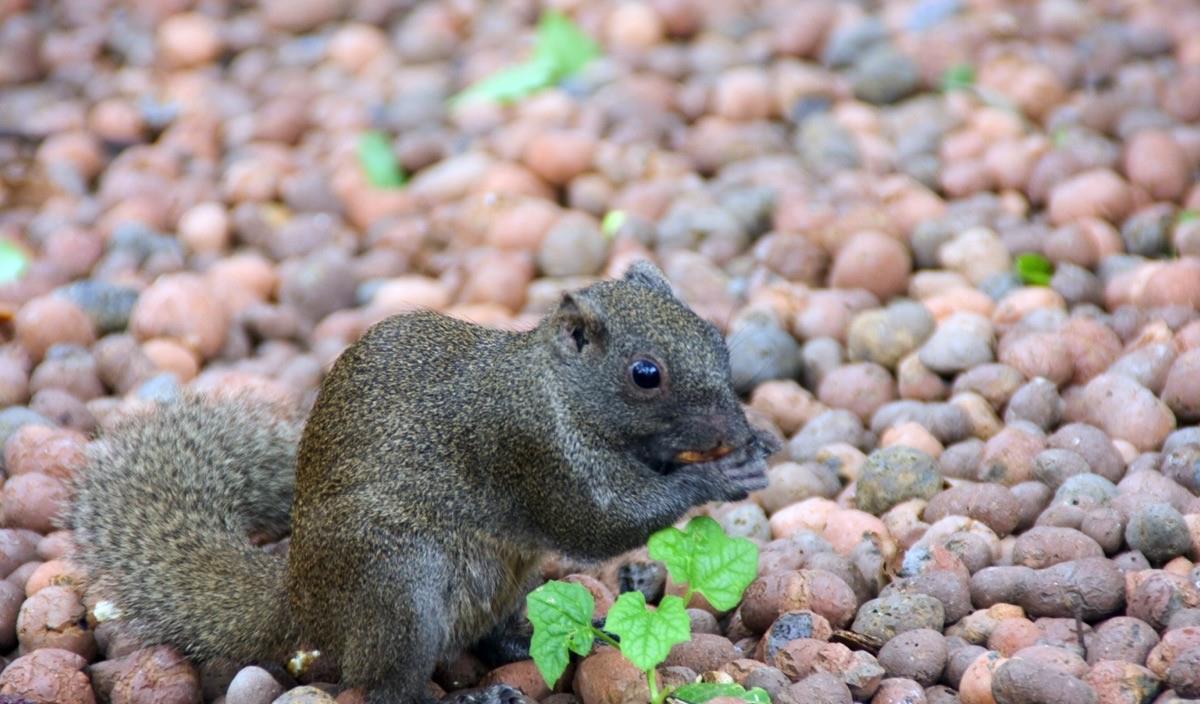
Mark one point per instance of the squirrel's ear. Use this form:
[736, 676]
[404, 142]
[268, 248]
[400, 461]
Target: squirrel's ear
[579, 324]
[644, 273]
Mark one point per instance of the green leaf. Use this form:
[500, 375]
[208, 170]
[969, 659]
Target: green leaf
[1059, 136]
[647, 635]
[958, 77]
[700, 692]
[512, 83]
[1186, 215]
[561, 615]
[612, 222]
[377, 160]
[1034, 269]
[563, 44]
[707, 560]
[560, 50]
[13, 261]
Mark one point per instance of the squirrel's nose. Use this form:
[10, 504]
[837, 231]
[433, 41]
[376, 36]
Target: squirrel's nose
[729, 429]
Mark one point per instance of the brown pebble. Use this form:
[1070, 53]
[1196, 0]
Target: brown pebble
[874, 262]
[52, 320]
[181, 307]
[33, 501]
[158, 674]
[1154, 161]
[48, 676]
[559, 156]
[54, 617]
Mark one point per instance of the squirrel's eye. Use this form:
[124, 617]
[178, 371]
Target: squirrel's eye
[645, 374]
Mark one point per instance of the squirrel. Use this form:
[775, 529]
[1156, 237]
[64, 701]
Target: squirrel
[441, 462]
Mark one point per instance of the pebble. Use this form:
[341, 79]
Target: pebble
[885, 336]
[1096, 193]
[860, 388]
[873, 262]
[962, 341]
[895, 474]
[181, 307]
[1159, 532]
[977, 254]
[606, 676]
[188, 39]
[884, 618]
[50, 320]
[1154, 161]
[48, 676]
[1181, 388]
[1128, 411]
[253, 685]
[107, 305]
[559, 156]
[760, 351]
[573, 246]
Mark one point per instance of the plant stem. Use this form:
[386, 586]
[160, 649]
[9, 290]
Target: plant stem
[605, 637]
[655, 696]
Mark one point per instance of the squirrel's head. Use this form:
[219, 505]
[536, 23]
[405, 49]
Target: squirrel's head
[644, 374]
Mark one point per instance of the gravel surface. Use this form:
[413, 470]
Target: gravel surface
[991, 468]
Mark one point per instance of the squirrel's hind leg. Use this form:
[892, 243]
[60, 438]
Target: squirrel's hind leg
[395, 625]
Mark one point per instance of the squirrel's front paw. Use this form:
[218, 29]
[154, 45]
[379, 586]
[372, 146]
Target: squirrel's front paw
[495, 694]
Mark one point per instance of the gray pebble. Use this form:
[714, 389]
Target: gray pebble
[1159, 532]
[827, 428]
[760, 351]
[1038, 402]
[1181, 437]
[107, 305]
[1054, 466]
[999, 284]
[818, 357]
[884, 75]
[1076, 285]
[896, 656]
[1146, 232]
[253, 685]
[1086, 490]
[14, 417]
[163, 388]
[883, 618]
[769, 679]
[1147, 365]
[961, 460]
[927, 238]
[945, 421]
[1093, 445]
[962, 341]
[846, 43]
[885, 336]
[574, 246]
[826, 147]
[893, 475]
[318, 284]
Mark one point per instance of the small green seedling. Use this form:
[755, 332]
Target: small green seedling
[378, 162]
[1033, 269]
[560, 50]
[958, 77]
[14, 260]
[702, 557]
[612, 222]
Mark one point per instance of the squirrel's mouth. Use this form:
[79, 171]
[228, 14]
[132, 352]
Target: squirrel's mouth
[684, 458]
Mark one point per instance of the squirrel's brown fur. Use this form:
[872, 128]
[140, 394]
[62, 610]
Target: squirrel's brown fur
[440, 463]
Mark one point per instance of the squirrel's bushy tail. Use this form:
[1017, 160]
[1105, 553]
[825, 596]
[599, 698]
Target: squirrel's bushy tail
[162, 516]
